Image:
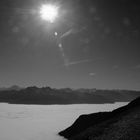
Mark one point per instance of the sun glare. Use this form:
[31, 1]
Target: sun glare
[49, 12]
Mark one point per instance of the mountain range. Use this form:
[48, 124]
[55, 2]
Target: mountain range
[48, 95]
[14, 87]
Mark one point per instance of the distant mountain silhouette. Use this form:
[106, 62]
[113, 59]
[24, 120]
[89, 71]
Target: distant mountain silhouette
[14, 87]
[47, 95]
[120, 124]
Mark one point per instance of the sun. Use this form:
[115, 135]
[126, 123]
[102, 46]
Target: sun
[49, 12]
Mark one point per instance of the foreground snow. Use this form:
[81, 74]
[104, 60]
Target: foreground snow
[39, 122]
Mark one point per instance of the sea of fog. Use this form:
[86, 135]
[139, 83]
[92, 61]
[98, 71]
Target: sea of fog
[42, 122]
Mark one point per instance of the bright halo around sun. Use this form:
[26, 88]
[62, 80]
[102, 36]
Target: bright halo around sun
[49, 12]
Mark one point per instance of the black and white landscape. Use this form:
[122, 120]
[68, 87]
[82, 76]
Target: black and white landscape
[39, 113]
[69, 69]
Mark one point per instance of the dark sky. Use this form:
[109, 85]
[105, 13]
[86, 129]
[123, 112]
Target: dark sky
[100, 38]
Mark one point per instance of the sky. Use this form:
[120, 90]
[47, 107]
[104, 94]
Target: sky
[92, 44]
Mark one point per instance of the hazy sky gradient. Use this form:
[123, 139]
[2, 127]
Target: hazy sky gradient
[101, 44]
